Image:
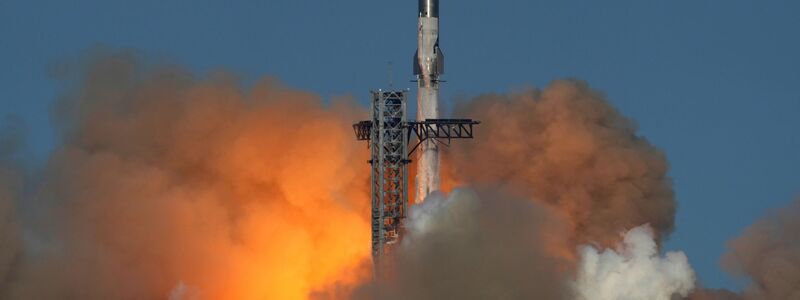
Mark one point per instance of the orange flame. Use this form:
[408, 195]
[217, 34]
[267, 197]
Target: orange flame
[167, 181]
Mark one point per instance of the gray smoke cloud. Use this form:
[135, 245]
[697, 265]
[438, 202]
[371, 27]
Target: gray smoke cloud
[475, 245]
[488, 245]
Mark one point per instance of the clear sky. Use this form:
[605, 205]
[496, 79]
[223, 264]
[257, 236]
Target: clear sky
[716, 84]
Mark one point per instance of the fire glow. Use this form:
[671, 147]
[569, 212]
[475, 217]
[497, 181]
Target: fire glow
[166, 186]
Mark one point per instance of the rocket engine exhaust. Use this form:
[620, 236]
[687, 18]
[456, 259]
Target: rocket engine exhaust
[428, 65]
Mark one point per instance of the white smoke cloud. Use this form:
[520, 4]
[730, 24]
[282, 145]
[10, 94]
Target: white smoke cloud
[633, 271]
[423, 216]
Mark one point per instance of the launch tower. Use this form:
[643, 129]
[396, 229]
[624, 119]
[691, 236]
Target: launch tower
[389, 135]
[388, 141]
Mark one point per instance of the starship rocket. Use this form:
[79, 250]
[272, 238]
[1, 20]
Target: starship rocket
[428, 65]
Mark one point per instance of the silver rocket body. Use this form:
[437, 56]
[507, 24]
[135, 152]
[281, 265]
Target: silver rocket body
[429, 59]
[428, 66]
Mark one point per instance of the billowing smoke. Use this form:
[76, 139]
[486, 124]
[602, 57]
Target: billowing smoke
[579, 164]
[490, 246]
[768, 254]
[168, 186]
[633, 271]
[475, 246]
[171, 186]
[565, 146]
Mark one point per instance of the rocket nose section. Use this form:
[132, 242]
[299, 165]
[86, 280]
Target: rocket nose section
[429, 8]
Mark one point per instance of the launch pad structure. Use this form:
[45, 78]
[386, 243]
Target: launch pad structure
[389, 135]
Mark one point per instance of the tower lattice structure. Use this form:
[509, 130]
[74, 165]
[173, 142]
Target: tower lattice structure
[389, 136]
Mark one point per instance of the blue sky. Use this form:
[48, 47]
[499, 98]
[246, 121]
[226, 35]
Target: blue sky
[713, 83]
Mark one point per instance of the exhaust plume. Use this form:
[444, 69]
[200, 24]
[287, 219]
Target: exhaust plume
[170, 186]
[474, 246]
[633, 271]
[564, 169]
[489, 246]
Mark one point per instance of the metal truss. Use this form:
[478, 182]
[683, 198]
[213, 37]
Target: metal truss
[389, 160]
[388, 134]
[441, 130]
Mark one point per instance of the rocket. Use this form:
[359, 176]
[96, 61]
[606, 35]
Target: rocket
[428, 65]
[429, 60]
